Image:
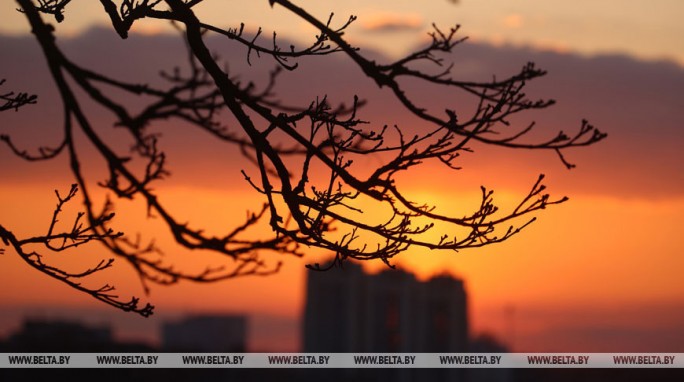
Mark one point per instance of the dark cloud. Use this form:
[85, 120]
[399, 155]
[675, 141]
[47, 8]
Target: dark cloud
[638, 103]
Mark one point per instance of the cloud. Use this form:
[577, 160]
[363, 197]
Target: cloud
[392, 22]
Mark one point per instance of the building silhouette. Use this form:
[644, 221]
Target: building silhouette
[39, 335]
[42, 335]
[351, 311]
[214, 333]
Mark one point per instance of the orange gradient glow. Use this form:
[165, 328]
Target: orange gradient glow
[590, 251]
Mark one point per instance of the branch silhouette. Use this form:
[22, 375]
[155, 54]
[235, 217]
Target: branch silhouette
[14, 101]
[285, 143]
[79, 234]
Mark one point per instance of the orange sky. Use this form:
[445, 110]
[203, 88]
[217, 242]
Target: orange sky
[593, 252]
[615, 246]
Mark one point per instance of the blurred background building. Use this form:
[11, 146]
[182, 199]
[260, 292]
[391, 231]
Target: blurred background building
[215, 333]
[66, 336]
[351, 311]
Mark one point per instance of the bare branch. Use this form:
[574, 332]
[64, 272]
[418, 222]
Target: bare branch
[304, 157]
[77, 236]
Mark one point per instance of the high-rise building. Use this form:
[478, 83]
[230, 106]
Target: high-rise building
[350, 311]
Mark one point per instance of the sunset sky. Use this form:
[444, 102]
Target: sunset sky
[601, 272]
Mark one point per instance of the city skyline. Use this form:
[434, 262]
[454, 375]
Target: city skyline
[432, 313]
